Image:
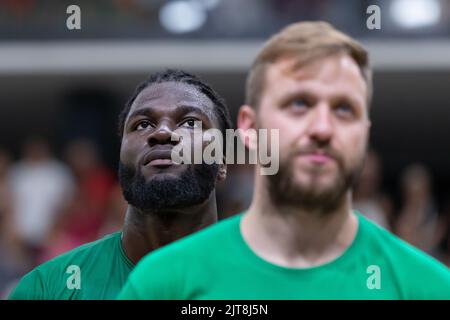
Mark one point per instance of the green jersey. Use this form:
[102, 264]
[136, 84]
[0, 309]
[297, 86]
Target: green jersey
[93, 271]
[216, 263]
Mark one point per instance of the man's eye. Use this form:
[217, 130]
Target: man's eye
[344, 109]
[299, 104]
[191, 123]
[143, 125]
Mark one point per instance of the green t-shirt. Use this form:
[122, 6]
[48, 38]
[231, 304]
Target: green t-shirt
[94, 271]
[216, 263]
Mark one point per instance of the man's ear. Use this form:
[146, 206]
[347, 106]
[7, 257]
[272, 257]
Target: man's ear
[222, 175]
[246, 124]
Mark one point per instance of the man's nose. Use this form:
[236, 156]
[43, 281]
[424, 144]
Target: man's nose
[162, 134]
[321, 126]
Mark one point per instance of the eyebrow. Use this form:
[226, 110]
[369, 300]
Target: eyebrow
[349, 99]
[308, 94]
[180, 110]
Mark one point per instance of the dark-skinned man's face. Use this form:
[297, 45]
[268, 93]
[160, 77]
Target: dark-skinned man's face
[150, 180]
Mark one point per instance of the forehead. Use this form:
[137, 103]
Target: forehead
[332, 75]
[170, 95]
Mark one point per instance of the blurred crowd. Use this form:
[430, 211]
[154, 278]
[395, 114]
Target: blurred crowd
[415, 216]
[50, 204]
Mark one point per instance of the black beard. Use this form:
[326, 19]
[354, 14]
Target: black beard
[285, 192]
[192, 187]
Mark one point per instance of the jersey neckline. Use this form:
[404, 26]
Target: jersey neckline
[247, 251]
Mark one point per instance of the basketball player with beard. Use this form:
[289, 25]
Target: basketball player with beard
[300, 238]
[166, 200]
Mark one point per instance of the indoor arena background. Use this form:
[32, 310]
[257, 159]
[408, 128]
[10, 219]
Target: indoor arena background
[61, 91]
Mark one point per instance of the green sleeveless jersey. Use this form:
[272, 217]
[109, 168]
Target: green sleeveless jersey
[216, 263]
[93, 271]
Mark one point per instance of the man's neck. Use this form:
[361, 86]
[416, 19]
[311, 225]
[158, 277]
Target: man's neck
[294, 237]
[144, 232]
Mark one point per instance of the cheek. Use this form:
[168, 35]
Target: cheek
[191, 145]
[354, 144]
[291, 130]
[129, 151]
[191, 141]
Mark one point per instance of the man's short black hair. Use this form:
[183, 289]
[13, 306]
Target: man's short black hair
[170, 75]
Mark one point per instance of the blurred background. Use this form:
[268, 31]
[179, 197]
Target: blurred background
[61, 91]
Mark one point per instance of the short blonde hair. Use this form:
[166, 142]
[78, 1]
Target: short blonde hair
[305, 41]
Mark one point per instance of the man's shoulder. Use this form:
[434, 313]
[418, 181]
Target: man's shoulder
[413, 265]
[82, 253]
[41, 278]
[388, 241]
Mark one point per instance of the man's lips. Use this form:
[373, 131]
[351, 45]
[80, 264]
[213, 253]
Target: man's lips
[158, 157]
[160, 162]
[317, 157]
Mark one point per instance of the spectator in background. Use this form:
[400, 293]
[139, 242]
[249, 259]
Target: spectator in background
[367, 196]
[6, 206]
[41, 187]
[445, 255]
[419, 222]
[83, 218]
[117, 206]
[13, 260]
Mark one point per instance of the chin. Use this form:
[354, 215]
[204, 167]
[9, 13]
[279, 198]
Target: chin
[161, 176]
[317, 187]
[317, 180]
